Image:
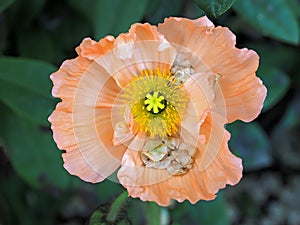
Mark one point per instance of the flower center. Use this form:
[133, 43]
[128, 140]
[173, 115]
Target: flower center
[156, 102]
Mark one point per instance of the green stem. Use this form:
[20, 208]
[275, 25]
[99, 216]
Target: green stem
[116, 207]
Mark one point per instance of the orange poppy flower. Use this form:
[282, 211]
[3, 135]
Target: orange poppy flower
[154, 102]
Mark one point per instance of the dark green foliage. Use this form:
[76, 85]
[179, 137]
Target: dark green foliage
[215, 8]
[274, 18]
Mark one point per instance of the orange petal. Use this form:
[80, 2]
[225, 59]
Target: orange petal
[142, 48]
[241, 91]
[202, 22]
[218, 164]
[200, 91]
[91, 49]
[81, 123]
[150, 184]
[190, 125]
[201, 101]
[64, 137]
[197, 184]
[180, 30]
[225, 168]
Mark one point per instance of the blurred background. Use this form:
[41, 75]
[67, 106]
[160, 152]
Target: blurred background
[36, 36]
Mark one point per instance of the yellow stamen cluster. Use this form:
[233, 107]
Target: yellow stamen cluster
[156, 103]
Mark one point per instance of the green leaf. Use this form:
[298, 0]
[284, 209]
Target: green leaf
[12, 202]
[4, 4]
[283, 56]
[290, 119]
[163, 9]
[152, 213]
[128, 12]
[32, 152]
[26, 104]
[137, 211]
[113, 213]
[110, 17]
[70, 32]
[273, 18]
[32, 75]
[295, 6]
[22, 204]
[285, 136]
[277, 83]
[25, 88]
[23, 12]
[86, 8]
[204, 212]
[4, 36]
[116, 207]
[214, 8]
[37, 44]
[97, 217]
[107, 189]
[250, 142]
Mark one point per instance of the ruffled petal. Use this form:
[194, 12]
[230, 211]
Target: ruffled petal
[242, 92]
[91, 49]
[200, 91]
[65, 139]
[201, 97]
[142, 48]
[81, 123]
[190, 125]
[219, 165]
[198, 183]
[150, 184]
[201, 22]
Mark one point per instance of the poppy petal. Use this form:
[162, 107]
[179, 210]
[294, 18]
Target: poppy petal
[81, 123]
[236, 67]
[142, 48]
[198, 183]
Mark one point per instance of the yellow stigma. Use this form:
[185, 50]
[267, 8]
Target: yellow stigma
[156, 103]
